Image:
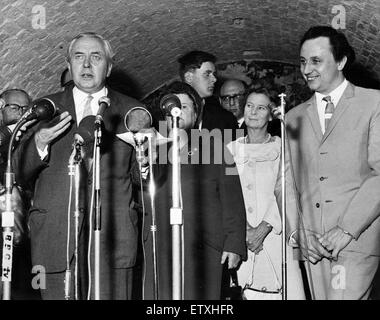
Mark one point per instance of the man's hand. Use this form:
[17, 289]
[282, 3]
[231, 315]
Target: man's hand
[233, 259]
[257, 235]
[48, 131]
[335, 240]
[310, 246]
[23, 128]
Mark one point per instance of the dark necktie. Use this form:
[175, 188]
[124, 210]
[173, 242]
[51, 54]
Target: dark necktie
[329, 110]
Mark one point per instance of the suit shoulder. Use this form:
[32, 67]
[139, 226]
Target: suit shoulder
[366, 93]
[125, 99]
[299, 109]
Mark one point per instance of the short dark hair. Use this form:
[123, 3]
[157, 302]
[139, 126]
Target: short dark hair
[193, 60]
[340, 47]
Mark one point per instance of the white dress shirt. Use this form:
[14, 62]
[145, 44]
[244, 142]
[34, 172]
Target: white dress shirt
[335, 95]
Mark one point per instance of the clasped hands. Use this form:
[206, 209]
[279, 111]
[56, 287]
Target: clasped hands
[257, 235]
[315, 246]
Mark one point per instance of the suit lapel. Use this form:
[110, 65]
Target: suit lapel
[343, 103]
[312, 114]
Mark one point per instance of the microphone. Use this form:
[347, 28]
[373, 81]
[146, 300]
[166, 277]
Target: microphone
[136, 119]
[170, 105]
[85, 130]
[104, 103]
[43, 109]
[84, 136]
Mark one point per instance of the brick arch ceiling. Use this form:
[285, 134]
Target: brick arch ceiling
[149, 35]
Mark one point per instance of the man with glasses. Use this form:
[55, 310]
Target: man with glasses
[232, 99]
[13, 104]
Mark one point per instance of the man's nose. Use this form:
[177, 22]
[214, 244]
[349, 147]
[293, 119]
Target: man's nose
[86, 62]
[213, 78]
[231, 101]
[306, 68]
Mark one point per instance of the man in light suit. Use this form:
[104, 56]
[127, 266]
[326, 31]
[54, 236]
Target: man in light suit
[43, 158]
[334, 143]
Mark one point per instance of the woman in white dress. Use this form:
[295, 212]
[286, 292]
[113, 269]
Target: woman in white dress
[257, 156]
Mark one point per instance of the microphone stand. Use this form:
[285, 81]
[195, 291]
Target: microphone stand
[74, 170]
[97, 224]
[176, 217]
[283, 201]
[139, 140]
[7, 218]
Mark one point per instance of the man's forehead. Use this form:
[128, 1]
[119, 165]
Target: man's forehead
[88, 43]
[315, 47]
[232, 87]
[16, 96]
[207, 66]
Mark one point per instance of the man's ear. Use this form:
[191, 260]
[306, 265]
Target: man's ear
[188, 76]
[109, 69]
[342, 63]
[2, 103]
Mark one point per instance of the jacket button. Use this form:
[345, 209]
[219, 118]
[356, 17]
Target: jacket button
[317, 204]
[322, 178]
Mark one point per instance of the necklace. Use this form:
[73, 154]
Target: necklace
[267, 139]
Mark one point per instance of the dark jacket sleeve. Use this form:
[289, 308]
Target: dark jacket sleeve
[234, 217]
[26, 162]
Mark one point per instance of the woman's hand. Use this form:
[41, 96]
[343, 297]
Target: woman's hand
[257, 235]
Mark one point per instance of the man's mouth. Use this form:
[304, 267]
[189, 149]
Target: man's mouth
[87, 76]
[311, 78]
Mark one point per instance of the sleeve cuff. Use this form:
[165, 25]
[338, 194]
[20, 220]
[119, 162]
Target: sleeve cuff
[44, 153]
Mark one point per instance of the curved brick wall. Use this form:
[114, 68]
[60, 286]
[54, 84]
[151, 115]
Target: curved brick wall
[149, 35]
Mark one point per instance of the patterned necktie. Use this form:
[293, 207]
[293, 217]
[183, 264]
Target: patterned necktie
[87, 110]
[328, 111]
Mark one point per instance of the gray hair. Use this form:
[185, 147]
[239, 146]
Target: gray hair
[107, 46]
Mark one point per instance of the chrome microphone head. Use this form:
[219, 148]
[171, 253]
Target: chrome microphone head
[138, 118]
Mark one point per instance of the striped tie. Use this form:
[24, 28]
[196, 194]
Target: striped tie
[328, 111]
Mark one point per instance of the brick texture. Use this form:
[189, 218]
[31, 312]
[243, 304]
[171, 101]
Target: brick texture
[149, 35]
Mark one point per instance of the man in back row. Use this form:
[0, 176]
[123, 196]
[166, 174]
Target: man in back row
[197, 68]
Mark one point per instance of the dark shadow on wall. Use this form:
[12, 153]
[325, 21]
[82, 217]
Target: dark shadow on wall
[361, 76]
[120, 81]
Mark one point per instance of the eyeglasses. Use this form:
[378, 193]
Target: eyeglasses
[16, 107]
[232, 98]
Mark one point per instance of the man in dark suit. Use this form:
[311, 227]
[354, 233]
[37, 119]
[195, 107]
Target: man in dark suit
[334, 140]
[43, 158]
[231, 97]
[197, 68]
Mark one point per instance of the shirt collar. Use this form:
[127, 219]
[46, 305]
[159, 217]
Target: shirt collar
[81, 96]
[335, 95]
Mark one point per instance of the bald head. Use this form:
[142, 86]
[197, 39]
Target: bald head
[16, 102]
[232, 96]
